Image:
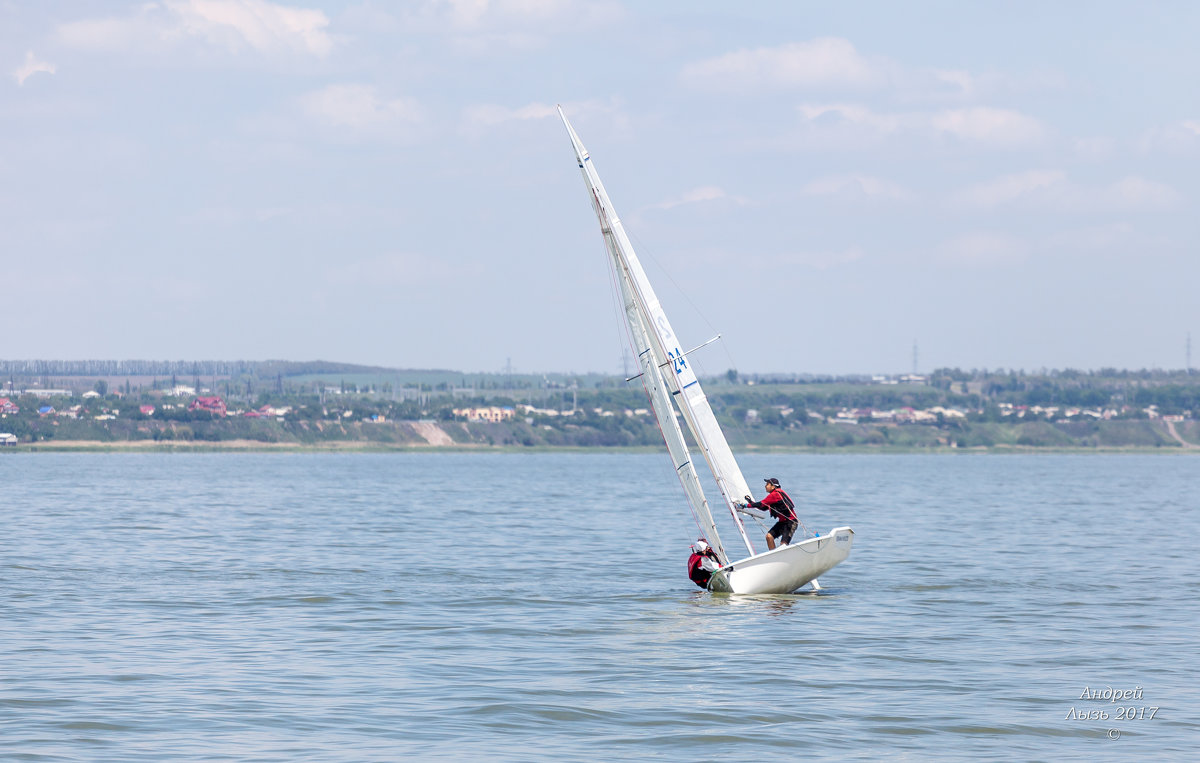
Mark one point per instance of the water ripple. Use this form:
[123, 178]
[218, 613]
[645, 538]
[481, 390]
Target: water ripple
[334, 607]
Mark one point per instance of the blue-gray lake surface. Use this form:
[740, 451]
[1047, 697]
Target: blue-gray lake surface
[355, 607]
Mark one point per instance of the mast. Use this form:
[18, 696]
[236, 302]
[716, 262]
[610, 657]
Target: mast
[670, 365]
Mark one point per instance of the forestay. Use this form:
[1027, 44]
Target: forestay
[666, 371]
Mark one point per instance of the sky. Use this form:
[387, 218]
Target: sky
[828, 186]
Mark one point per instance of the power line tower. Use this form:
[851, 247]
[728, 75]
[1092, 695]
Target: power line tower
[914, 357]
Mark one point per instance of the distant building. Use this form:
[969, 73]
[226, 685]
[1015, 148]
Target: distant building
[491, 413]
[214, 405]
[8, 406]
[49, 392]
[527, 409]
[268, 412]
[147, 410]
[7, 438]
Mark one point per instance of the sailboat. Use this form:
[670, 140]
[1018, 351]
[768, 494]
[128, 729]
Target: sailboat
[671, 383]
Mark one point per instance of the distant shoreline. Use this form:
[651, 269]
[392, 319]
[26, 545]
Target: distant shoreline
[251, 446]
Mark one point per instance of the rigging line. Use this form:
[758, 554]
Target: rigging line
[737, 425]
[654, 339]
[678, 471]
[614, 293]
[681, 355]
[757, 520]
[804, 527]
[613, 275]
[643, 253]
[807, 533]
[646, 252]
[698, 433]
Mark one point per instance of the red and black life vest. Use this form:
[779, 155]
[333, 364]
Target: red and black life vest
[696, 571]
[784, 509]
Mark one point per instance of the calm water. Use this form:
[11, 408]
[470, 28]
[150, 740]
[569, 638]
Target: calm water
[523, 607]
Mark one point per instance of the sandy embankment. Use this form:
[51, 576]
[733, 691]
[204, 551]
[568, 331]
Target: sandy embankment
[432, 434]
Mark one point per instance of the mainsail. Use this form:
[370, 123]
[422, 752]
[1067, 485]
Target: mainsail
[666, 372]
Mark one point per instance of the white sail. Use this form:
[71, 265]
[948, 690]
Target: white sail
[669, 360]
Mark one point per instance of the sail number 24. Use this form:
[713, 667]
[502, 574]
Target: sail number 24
[677, 361]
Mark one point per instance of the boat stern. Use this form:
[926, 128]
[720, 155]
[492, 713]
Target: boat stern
[785, 569]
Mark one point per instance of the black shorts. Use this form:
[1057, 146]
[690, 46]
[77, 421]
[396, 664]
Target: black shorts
[784, 530]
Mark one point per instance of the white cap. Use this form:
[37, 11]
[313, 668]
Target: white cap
[702, 545]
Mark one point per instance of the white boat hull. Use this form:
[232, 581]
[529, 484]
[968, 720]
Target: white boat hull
[785, 569]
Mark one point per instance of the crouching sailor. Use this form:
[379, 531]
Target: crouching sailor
[781, 507]
[702, 563]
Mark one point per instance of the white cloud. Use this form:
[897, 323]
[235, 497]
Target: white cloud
[1133, 192]
[232, 25]
[481, 117]
[30, 67]
[262, 25]
[113, 34]
[1093, 149]
[1009, 188]
[853, 114]
[480, 27]
[835, 63]
[475, 13]
[360, 108]
[487, 115]
[985, 248]
[1180, 138]
[991, 248]
[1052, 190]
[1090, 239]
[996, 127]
[850, 124]
[819, 63]
[700, 194]
[961, 81]
[940, 85]
[853, 187]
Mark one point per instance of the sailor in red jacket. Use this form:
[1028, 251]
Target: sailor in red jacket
[702, 563]
[782, 508]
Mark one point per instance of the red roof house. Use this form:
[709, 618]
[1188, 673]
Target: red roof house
[214, 405]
